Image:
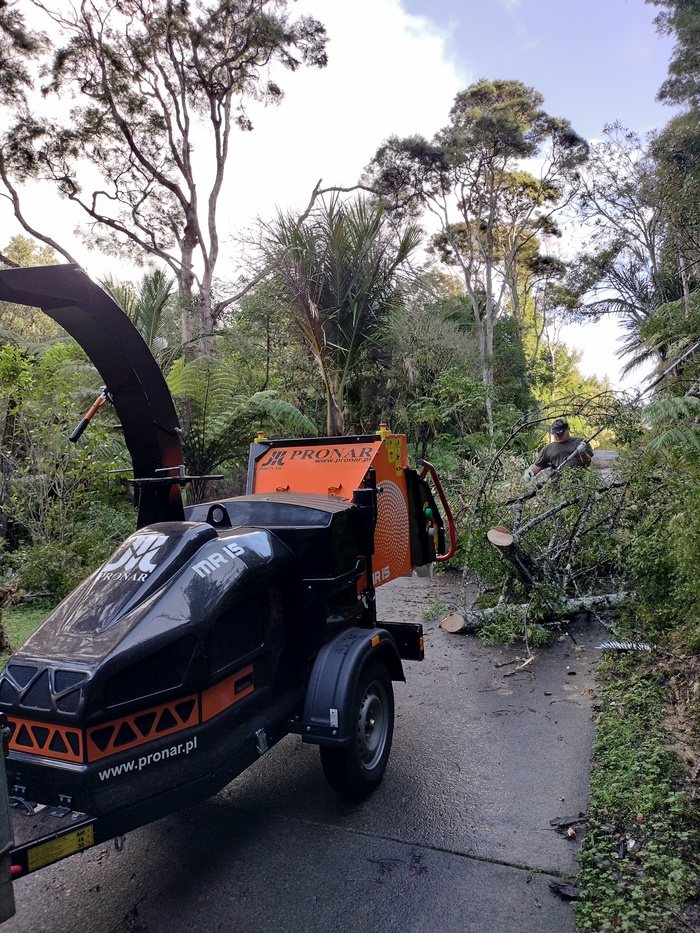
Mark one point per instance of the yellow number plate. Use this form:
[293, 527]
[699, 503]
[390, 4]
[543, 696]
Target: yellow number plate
[56, 849]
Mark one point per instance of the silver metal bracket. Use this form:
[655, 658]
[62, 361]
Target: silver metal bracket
[261, 741]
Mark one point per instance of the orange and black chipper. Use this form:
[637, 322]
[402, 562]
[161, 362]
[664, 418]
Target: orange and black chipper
[216, 629]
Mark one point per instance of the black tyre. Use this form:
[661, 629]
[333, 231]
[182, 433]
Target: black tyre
[357, 769]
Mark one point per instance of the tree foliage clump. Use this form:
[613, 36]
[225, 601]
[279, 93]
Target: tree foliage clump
[681, 19]
[491, 211]
[662, 558]
[60, 514]
[338, 272]
[20, 325]
[157, 89]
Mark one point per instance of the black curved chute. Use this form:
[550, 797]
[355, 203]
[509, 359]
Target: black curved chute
[132, 377]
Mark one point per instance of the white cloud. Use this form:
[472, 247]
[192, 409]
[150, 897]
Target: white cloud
[388, 73]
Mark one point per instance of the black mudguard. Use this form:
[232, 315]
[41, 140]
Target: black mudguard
[328, 717]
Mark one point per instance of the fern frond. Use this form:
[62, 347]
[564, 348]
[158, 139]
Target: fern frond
[663, 410]
[678, 439]
[207, 383]
[284, 413]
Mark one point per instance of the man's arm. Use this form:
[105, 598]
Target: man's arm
[536, 467]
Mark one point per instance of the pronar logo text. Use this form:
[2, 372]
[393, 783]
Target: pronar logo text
[284, 457]
[137, 560]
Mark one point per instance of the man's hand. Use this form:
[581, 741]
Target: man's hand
[529, 475]
[582, 448]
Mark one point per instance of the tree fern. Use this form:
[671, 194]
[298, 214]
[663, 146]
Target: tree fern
[221, 420]
[675, 428]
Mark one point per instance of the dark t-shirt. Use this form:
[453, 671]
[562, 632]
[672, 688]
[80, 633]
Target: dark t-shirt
[554, 454]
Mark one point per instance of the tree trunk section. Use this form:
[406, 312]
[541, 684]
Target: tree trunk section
[526, 568]
[474, 619]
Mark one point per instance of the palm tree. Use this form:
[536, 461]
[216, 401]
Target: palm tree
[146, 305]
[339, 272]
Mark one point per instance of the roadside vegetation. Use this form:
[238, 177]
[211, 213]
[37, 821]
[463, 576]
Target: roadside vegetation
[348, 314]
[639, 860]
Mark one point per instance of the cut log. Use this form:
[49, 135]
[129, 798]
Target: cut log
[504, 540]
[475, 618]
[453, 623]
[500, 536]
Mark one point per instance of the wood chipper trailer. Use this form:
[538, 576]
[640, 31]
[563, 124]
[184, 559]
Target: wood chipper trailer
[215, 629]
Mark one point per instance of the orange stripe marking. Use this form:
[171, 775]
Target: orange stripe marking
[46, 738]
[142, 727]
[222, 695]
[65, 743]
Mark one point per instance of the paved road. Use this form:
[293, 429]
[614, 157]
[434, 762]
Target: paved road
[457, 839]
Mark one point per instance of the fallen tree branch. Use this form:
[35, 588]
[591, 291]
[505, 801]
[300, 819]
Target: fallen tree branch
[528, 571]
[473, 619]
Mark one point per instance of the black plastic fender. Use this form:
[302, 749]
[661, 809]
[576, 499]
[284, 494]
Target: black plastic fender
[328, 717]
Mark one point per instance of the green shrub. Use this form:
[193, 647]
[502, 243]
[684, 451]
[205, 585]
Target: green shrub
[53, 568]
[638, 864]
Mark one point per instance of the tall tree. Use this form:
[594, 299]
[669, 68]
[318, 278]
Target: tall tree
[148, 77]
[339, 271]
[639, 209]
[681, 19]
[676, 152]
[471, 177]
[19, 47]
[621, 271]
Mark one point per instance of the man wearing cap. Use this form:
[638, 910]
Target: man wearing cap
[563, 447]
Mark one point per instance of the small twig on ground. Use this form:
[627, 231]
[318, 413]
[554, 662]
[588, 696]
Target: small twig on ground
[676, 916]
[522, 666]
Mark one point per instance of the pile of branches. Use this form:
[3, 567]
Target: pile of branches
[549, 549]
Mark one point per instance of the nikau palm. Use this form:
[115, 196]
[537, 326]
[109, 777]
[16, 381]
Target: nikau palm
[339, 272]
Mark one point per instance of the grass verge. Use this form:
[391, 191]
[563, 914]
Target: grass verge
[19, 622]
[640, 856]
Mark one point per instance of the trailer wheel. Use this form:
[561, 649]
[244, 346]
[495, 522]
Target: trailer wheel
[357, 769]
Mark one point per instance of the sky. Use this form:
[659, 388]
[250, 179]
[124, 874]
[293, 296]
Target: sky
[394, 68]
[595, 61]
